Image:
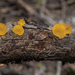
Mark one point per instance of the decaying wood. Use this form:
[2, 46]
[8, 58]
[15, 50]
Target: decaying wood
[36, 44]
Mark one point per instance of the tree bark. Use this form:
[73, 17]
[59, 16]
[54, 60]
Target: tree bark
[36, 44]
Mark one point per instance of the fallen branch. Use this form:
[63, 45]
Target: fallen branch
[36, 44]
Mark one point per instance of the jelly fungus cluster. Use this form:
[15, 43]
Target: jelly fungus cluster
[18, 29]
[60, 30]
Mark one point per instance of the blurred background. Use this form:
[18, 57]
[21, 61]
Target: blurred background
[47, 12]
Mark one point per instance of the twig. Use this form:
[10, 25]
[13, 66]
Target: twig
[43, 7]
[42, 15]
[27, 7]
[63, 11]
[33, 12]
[59, 64]
[48, 19]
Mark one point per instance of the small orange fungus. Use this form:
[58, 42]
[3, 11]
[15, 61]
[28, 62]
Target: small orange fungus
[3, 29]
[60, 30]
[18, 29]
[68, 28]
[21, 22]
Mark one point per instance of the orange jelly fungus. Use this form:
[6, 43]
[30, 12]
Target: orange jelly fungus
[68, 28]
[3, 29]
[21, 22]
[60, 30]
[18, 29]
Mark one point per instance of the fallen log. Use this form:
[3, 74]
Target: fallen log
[37, 43]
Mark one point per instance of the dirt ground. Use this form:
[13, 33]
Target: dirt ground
[56, 11]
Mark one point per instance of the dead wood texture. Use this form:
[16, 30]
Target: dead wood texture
[36, 44]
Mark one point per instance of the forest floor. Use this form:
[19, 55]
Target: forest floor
[54, 12]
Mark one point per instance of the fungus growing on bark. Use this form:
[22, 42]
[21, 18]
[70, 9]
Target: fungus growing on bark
[18, 29]
[59, 31]
[21, 22]
[3, 29]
